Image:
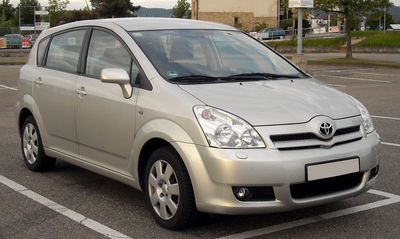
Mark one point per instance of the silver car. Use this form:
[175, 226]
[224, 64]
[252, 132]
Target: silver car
[200, 116]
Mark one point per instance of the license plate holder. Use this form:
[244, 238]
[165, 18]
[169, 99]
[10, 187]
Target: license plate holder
[332, 169]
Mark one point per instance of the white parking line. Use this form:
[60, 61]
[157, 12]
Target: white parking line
[79, 218]
[390, 144]
[353, 78]
[391, 199]
[337, 85]
[347, 70]
[360, 72]
[110, 233]
[12, 66]
[7, 87]
[375, 74]
[384, 117]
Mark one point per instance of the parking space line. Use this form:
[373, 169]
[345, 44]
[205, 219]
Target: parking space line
[375, 74]
[8, 88]
[353, 78]
[359, 72]
[337, 85]
[346, 70]
[79, 218]
[390, 144]
[384, 117]
[391, 199]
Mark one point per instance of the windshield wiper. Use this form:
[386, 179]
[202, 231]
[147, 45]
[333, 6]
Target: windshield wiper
[194, 78]
[242, 76]
[263, 75]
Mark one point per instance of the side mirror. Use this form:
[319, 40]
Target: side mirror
[117, 76]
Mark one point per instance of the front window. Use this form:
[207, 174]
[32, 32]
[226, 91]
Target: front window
[107, 51]
[210, 53]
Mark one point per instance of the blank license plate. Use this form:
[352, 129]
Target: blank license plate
[332, 169]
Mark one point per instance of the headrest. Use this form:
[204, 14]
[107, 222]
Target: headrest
[182, 49]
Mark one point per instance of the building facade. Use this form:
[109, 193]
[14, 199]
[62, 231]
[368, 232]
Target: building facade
[242, 14]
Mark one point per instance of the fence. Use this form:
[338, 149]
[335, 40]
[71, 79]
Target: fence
[10, 37]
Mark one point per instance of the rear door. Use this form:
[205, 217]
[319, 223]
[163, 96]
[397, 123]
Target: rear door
[54, 89]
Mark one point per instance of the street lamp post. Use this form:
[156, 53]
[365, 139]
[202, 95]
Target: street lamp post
[384, 21]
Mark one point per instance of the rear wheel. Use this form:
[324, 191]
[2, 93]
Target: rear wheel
[32, 147]
[169, 192]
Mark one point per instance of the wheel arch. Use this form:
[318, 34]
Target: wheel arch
[24, 113]
[148, 148]
[158, 133]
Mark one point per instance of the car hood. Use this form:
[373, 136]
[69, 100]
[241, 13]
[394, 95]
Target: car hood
[276, 102]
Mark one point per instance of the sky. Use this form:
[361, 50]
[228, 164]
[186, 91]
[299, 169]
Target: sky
[167, 4]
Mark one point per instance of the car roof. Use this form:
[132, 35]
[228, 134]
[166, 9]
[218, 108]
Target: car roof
[133, 24]
[146, 23]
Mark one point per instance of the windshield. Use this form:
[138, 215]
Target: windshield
[211, 55]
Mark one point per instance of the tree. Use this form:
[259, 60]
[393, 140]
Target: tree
[77, 15]
[6, 11]
[27, 11]
[376, 18]
[6, 17]
[114, 8]
[180, 8]
[57, 9]
[345, 7]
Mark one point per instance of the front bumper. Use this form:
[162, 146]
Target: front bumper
[215, 171]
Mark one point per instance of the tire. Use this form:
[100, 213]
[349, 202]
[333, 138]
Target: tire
[168, 190]
[32, 147]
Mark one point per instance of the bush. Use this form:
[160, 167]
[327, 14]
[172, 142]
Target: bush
[285, 24]
[260, 26]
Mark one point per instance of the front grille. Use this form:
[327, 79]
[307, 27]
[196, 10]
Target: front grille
[304, 136]
[325, 186]
[290, 137]
[348, 130]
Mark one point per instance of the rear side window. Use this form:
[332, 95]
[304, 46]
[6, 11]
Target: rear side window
[41, 50]
[64, 50]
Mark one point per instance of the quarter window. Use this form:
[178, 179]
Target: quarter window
[64, 51]
[41, 49]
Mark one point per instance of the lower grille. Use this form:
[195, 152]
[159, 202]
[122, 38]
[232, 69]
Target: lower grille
[325, 186]
[374, 172]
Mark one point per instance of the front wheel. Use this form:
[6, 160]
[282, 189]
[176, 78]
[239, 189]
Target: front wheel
[32, 147]
[169, 192]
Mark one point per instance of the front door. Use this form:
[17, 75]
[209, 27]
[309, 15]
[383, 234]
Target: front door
[105, 120]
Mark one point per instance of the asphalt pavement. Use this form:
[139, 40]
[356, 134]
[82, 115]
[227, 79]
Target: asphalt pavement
[70, 202]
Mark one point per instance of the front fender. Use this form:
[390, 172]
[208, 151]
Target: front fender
[177, 137]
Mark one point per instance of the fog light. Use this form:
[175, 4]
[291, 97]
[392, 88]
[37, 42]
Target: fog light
[242, 193]
[254, 194]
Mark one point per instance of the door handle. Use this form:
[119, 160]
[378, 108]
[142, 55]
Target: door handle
[81, 91]
[38, 81]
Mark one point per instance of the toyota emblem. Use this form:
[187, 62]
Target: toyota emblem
[325, 129]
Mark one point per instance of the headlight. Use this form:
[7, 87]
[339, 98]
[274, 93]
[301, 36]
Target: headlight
[224, 130]
[368, 126]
